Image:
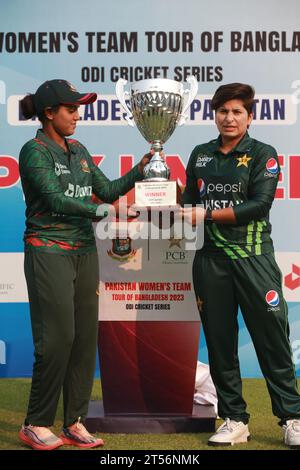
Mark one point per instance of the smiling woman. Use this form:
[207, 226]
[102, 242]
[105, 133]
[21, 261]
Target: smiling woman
[61, 263]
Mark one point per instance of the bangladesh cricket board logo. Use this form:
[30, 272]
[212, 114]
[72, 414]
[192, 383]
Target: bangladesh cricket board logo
[84, 165]
[121, 249]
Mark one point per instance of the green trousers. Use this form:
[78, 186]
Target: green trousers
[64, 313]
[221, 286]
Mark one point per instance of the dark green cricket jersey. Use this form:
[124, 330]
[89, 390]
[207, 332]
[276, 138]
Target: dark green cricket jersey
[244, 179]
[58, 188]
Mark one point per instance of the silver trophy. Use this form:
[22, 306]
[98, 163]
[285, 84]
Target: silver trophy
[157, 107]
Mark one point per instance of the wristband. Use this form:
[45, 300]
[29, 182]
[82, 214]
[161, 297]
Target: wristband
[208, 215]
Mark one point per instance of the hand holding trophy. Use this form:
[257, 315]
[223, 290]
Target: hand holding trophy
[157, 107]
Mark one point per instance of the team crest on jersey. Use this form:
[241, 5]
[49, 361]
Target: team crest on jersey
[121, 249]
[243, 160]
[84, 165]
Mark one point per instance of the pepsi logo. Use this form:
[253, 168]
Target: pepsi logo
[272, 298]
[272, 166]
[201, 186]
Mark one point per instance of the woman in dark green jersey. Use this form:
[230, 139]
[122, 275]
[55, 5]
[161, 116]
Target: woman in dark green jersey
[59, 179]
[235, 178]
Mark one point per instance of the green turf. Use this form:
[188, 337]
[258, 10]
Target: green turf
[265, 433]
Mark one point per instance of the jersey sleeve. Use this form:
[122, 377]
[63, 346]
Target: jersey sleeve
[110, 190]
[37, 171]
[191, 193]
[263, 181]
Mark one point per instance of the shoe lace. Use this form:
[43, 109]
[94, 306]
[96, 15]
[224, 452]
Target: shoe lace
[41, 431]
[295, 425]
[227, 426]
[83, 431]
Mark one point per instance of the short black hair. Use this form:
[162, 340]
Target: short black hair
[234, 91]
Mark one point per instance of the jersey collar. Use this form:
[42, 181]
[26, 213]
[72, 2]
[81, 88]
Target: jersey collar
[40, 135]
[243, 146]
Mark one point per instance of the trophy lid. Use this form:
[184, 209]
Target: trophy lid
[157, 84]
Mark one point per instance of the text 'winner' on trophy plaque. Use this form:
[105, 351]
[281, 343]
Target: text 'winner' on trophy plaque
[157, 106]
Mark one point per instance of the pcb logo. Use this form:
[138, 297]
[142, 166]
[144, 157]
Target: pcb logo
[121, 249]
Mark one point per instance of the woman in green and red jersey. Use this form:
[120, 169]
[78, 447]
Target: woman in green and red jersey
[235, 178]
[59, 179]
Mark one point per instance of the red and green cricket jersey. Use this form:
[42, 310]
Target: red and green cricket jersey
[58, 188]
[244, 179]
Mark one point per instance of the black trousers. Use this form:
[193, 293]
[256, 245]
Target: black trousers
[64, 315]
[223, 285]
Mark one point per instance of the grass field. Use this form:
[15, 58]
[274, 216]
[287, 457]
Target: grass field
[265, 433]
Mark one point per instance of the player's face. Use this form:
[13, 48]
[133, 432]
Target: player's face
[64, 120]
[232, 119]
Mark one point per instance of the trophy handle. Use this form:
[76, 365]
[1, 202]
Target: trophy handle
[122, 95]
[191, 92]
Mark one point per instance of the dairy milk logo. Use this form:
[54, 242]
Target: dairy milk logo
[202, 160]
[201, 186]
[78, 191]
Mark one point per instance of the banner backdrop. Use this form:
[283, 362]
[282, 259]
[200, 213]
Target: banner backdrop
[92, 44]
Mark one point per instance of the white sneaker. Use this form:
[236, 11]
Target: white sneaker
[291, 432]
[230, 433]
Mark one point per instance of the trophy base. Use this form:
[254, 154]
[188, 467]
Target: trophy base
[202, 419]
[157, 193]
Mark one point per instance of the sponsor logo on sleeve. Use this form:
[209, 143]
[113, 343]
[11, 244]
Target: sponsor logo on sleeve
[272, 168]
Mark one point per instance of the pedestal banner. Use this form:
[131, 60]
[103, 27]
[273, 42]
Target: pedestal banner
[148, 327]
